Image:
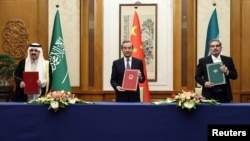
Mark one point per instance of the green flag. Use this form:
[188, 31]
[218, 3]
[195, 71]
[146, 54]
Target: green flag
[57, 58]
[212, 30]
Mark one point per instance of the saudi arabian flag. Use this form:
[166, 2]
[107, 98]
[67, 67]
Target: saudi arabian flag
[57, 59]
[212, 31]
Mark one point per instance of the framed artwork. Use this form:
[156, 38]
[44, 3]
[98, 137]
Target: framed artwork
[148, 22]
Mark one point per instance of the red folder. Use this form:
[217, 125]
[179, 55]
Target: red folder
[130, 79]
[30, 80]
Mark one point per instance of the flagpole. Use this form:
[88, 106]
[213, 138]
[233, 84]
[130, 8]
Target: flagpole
[135, 38]
[57, 58]
[212, 29]
[136, 4]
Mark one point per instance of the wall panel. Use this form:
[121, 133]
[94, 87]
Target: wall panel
[34, 15]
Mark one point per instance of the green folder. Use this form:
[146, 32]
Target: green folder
[215, 75]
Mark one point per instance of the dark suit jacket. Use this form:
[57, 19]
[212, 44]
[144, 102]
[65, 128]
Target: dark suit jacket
[19, 92]
[201, 75]
[118, 68]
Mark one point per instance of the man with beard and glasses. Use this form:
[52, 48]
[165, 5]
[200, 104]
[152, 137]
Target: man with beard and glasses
[222, 93]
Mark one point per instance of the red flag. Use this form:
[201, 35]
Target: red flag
[138, 53]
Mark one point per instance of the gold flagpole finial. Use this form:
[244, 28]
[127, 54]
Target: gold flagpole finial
[214, 2]
[137, 3]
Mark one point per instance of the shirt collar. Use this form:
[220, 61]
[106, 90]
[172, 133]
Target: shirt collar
[125, 59]
[216, 59]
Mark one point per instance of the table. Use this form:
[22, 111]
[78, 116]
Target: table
[110, 121]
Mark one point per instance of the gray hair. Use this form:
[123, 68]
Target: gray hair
[126, 41]
[217, 40]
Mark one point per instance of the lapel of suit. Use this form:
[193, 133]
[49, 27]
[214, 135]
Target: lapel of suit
[133, 63]
[209, 59]
[122, 63]
[223, 59]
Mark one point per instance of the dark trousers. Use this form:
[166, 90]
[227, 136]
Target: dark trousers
[128, 96]
[219, 93]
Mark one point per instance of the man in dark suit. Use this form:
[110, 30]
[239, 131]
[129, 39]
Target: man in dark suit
[118, 69]
[221, 93]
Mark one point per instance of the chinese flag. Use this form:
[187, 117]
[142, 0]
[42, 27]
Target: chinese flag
[138, 52]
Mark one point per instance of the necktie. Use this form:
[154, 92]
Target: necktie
[128, 66]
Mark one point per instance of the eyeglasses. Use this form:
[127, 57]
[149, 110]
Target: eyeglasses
[214, 45]
[35, 50]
